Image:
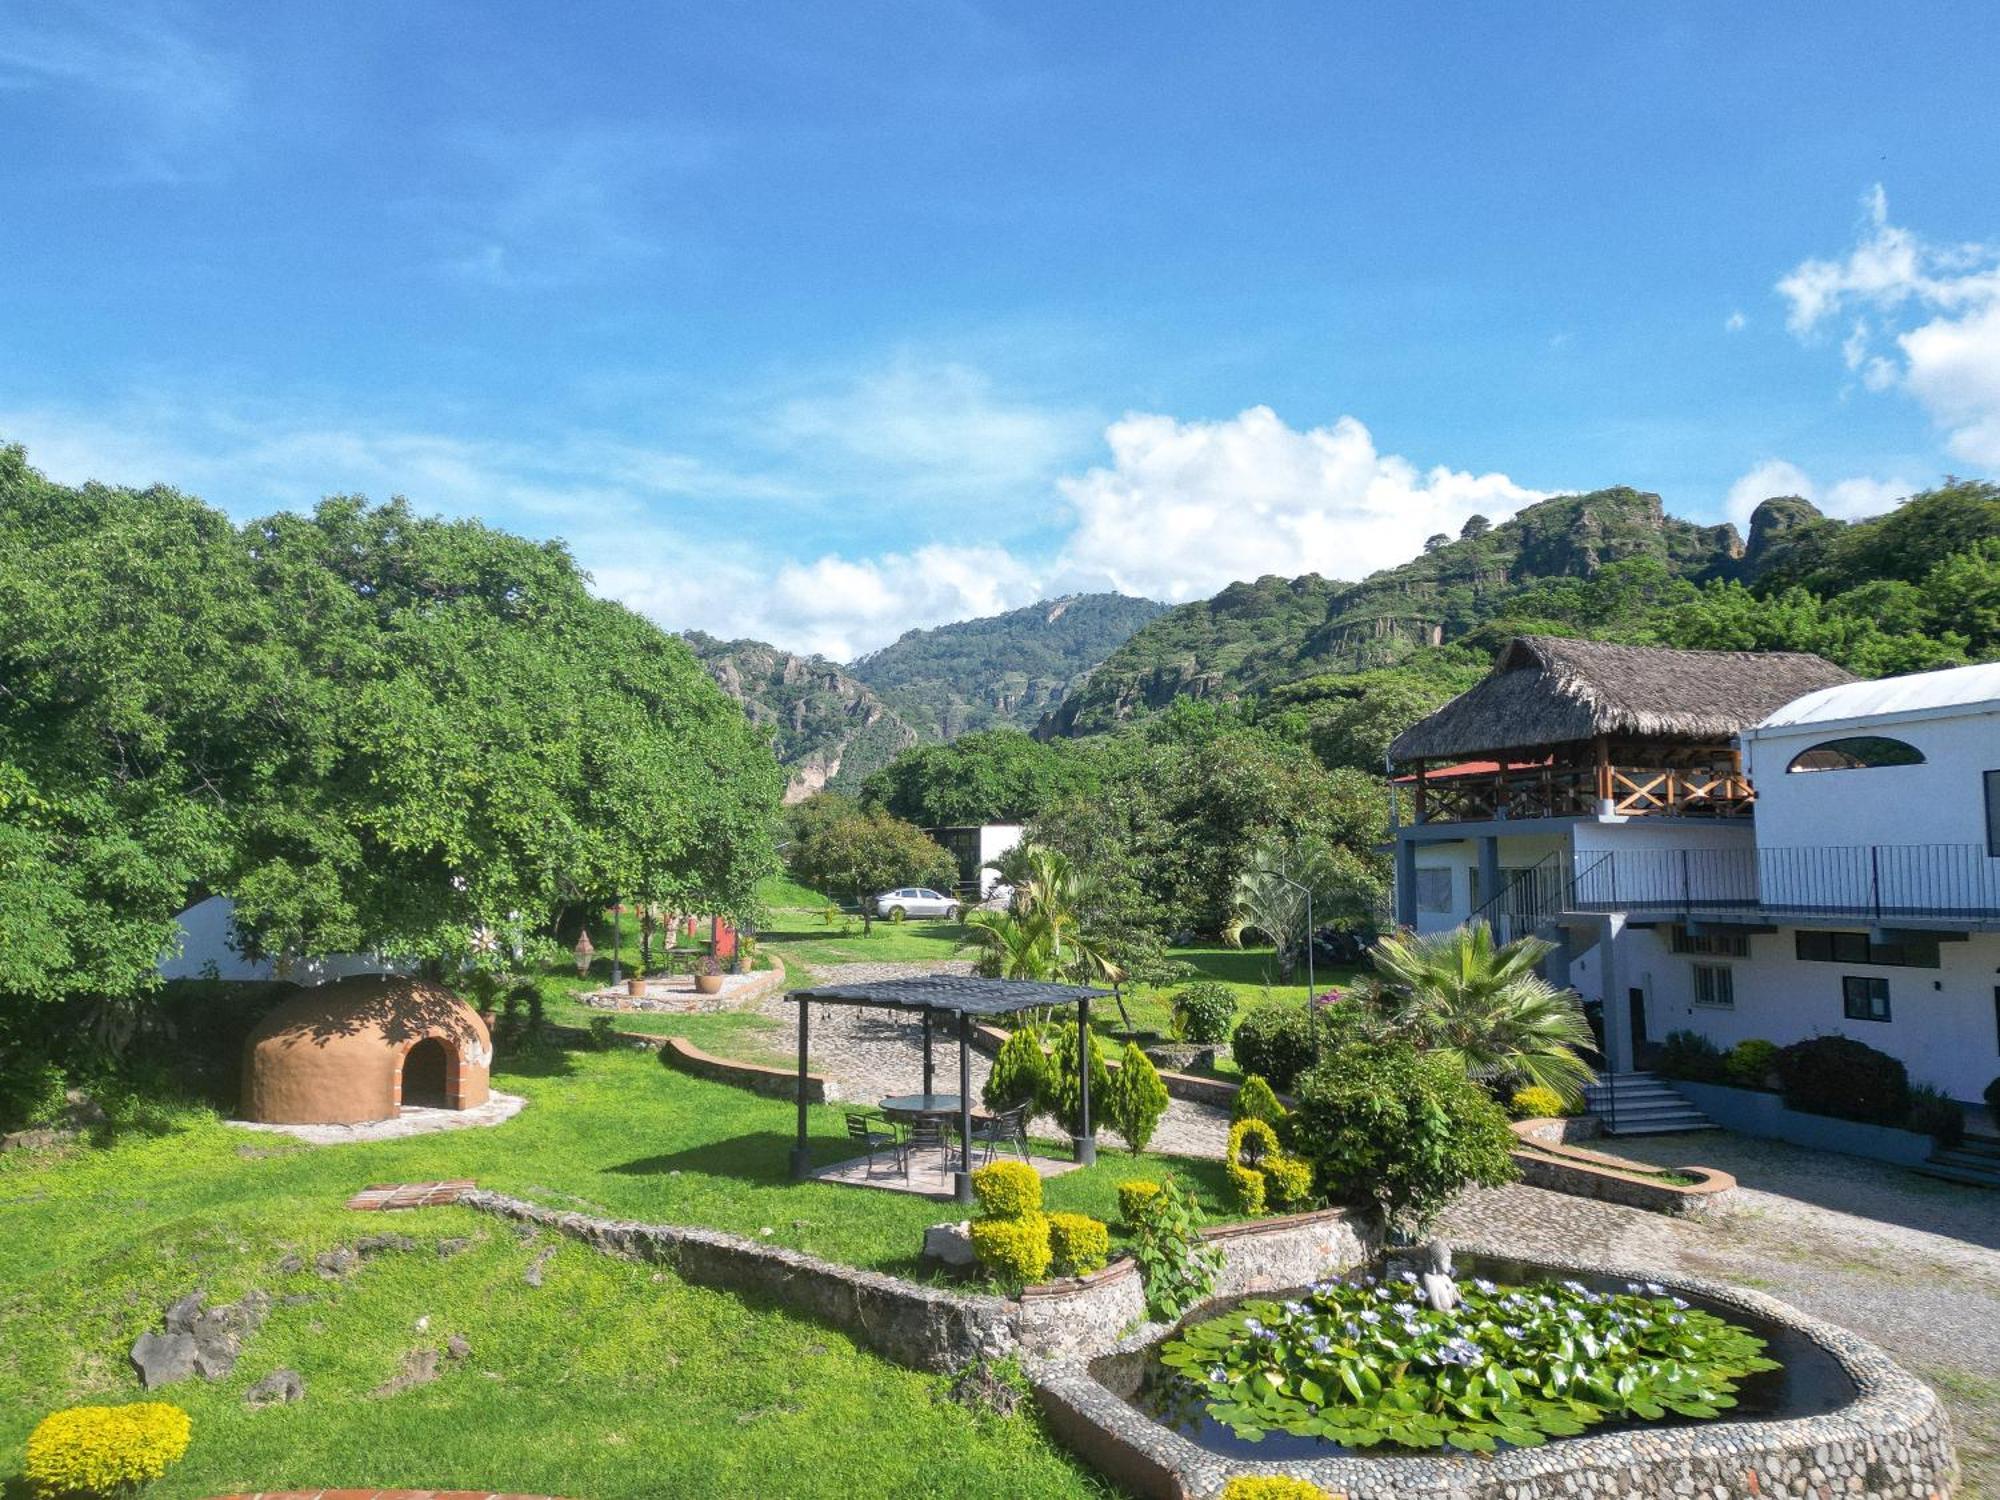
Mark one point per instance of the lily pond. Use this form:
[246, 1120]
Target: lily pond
[1363, 1364]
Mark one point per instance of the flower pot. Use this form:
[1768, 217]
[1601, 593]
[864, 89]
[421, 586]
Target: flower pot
[708, 984]
[636, 986]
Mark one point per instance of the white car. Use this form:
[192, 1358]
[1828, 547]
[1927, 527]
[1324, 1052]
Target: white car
[916, 901]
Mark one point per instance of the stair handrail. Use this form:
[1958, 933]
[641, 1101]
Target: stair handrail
[1537, 876]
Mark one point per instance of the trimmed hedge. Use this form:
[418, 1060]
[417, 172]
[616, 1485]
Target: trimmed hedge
[1843, 1078]
[1202, 1012]
[1014, 1249]
[1008, 1188]
[1276, 1043]
[1078, 1244]
[1134, 1199]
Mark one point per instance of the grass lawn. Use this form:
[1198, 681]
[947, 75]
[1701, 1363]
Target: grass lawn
[610, 1380]
[806, 942]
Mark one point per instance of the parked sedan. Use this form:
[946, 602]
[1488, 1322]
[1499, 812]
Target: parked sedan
[916, 901]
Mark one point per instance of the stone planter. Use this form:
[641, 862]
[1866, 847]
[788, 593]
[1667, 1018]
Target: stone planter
[708, 984]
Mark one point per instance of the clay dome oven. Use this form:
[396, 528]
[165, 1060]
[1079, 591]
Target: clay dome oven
[361, 1049]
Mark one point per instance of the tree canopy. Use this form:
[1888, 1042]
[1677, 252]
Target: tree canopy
[371, 729]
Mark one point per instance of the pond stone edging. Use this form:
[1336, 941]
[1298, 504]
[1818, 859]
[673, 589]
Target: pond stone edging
[1892, 1442]
[939, 1328]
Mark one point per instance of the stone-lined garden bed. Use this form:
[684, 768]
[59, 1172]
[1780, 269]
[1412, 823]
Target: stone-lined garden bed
[1610, 1179]
[759, 1078]
[1891, 1442]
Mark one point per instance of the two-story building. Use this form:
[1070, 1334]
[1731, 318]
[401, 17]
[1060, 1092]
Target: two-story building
[1738, 844]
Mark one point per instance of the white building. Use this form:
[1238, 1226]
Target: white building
[1735, 844]
[207, 950]
[975, 847]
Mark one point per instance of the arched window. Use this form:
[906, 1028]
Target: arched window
[1858, 752]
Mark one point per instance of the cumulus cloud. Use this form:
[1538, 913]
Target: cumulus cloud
[1847, 498]
[1184, 508]
[1735, 322]
[1916, 316]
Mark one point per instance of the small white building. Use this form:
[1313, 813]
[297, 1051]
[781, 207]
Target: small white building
[975, 846]
[1827, 864]
[207, 950]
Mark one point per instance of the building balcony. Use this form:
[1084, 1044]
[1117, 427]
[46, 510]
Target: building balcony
[1488, 791]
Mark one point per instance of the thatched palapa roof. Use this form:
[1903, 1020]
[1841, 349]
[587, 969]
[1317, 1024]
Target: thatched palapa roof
[1546, 690]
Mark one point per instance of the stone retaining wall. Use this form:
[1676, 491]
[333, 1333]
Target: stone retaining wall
[776, 1083]
[1892, 1442]
[1608, 1179]
[936, 1328]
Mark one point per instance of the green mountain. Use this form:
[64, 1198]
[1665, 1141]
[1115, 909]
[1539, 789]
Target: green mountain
[1003, 671]
[1253, 636]
[826, 728]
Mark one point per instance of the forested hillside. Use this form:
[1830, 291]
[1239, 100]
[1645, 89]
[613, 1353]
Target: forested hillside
[1003, 671]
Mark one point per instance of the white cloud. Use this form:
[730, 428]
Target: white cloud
[1925, 319]
[1187, 507]
[1846, 498]
[1735, 322]
[168, 99]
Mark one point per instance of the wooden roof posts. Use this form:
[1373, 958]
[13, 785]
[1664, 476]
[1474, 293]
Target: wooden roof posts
[1606, 798]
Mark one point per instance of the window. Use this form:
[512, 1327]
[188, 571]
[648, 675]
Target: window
[1434, 888]
[1860, 752]
[1863, 998]
[1993, 813]
[1854, 948]
[1712, 944]
[1715, 986]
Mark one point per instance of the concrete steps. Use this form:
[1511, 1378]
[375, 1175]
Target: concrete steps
[1640, 1104]
[1974, 1160]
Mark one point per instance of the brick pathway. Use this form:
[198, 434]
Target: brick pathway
[872, 1053]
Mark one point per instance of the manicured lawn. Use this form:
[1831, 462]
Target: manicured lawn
[806, 942]
[1250, 972]
[610, 1380]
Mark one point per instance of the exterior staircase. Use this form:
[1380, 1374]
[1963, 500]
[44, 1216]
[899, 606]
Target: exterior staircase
[1975, 1159]
[1639, 1104]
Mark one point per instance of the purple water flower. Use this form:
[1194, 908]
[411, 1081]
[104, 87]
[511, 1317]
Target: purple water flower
[1678, 1303]
[1460, 1352]
[1251, 1325]
[1513, 1333]
[1370, 1315]
[1404, 1310]
[1484, 1285]
[1218, 1376]
[1321, 1343]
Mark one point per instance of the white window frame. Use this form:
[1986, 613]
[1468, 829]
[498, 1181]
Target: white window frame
[1708, 977]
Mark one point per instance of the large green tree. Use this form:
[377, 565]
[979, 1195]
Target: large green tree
[845, 849]
[367, 727]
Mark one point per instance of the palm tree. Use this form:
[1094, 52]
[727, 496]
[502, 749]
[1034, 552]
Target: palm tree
[1267, 898]
[1458, 993]
[1058, 897]
[1011, 945]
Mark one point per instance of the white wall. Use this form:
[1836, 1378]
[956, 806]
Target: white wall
[1942, 1024]
[995, 839]
[205, 930]
[1461, 857]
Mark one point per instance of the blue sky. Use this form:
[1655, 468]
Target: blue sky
[817, 322]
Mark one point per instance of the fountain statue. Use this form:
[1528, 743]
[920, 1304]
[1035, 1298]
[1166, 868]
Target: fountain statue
[1435, 1278]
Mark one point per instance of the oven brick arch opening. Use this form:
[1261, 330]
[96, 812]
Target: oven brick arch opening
[428, 1075]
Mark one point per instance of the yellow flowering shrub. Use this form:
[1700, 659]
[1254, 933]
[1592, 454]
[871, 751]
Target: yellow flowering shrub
[1007, 1189]
[1078, 1243]
[104, 1450]
[1272, 1487]
[1134, 1198]
[1014, 1248]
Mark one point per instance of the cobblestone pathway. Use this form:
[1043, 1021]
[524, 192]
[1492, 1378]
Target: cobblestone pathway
[870, 1053]
[1910, 1263]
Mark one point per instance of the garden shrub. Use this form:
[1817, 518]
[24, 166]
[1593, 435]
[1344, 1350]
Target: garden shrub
[1202, 1012]
[1408, 1131]
[32, 1092]
[1135, 1200]
[1256, 1100]
[1020, 1074]
[1066, 1094]
[1275, 1042]
[1137, 1099]
[1272, 1487]
[1849, 1080]
[1536, 1103]
[1937, 1115]
[1007, 1189]
[603, 1033]
[104, 1450]
[1014, 1248]
[1691, 1056]
[1288, 1180]
[1748, 1064]
[1078, 1244]
[1177, 1265]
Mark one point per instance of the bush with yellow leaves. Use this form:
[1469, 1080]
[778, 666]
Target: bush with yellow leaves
[89, 1451]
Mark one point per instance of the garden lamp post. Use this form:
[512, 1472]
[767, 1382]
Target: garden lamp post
[617, 942]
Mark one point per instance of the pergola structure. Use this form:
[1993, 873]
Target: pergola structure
[966, 997]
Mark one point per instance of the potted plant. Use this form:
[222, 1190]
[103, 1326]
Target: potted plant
[707, 975]
[635, 986]
[745, 957]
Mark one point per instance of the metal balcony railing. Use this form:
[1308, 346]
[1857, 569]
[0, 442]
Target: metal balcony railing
[1554, 791]
[1875, 883]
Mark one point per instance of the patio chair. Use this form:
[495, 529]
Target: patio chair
[926, 1133]
[1008, 1127]
[864, 1130]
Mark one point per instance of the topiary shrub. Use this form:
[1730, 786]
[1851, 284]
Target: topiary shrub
[1137, 1098]
[1689, 1055]
[1256, 1101]
[1008, 1188]
[104, 1450]
[1288, 1180]
[1135, 1198]
[1937, 1115]
[1271, 1487]
[1065, 1091]
[1202, 1012]
[1020, 1074]
[1014, 1249]
[1276, 1043]
[1536, 1103]
[1078, 1244]
[1251, 1143]
[1849, 1080]
[1748, 1064]
[1407, 1131]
